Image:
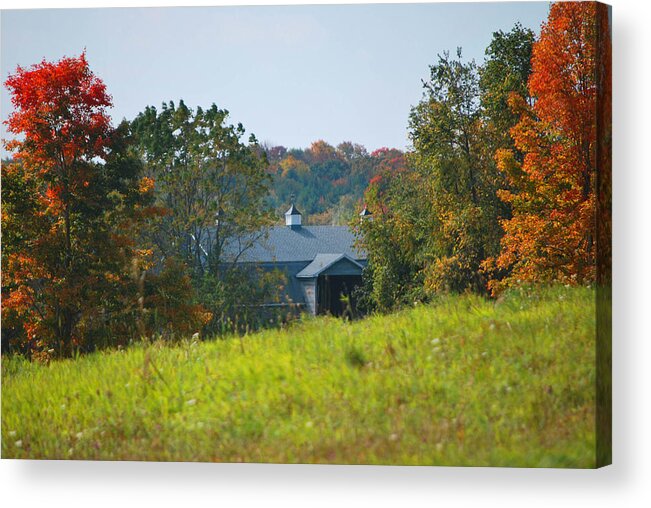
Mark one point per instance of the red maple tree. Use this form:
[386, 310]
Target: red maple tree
[61, 253]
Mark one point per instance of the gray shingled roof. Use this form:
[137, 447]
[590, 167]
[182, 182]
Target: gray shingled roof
[322, 262]
[284, 244]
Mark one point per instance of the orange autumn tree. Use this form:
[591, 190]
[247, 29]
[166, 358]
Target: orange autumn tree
[72, 203]
[551, 235]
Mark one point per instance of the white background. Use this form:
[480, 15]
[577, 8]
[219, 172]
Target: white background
[626, 483]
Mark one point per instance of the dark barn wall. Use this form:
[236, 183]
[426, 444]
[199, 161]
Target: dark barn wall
[296, 290]
[335, 294]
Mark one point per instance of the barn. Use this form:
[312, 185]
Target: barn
[321, 263]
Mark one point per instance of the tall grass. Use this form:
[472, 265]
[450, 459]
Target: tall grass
[463, 381]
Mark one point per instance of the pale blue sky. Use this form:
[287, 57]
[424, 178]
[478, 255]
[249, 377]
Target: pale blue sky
[290, 74]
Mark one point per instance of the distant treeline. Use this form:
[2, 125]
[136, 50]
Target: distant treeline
[327, 182]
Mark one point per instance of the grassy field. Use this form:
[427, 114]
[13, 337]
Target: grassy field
[463, 381]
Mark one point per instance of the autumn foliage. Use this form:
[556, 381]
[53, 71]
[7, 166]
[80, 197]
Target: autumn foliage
[508, 181]
[73, 199]
[114, 233]
[60, 111]
[551, 236]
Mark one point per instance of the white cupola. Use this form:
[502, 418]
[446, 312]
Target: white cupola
[365, 214]
[293, 217]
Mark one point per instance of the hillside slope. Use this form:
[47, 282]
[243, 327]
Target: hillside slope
[461, 382]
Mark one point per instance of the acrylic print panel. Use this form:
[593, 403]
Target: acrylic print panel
[340, 234]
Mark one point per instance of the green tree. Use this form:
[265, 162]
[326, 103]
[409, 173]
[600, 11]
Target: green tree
[213, 186]
[395, 238]
[505, 72]
[448, 153]
[435, 225]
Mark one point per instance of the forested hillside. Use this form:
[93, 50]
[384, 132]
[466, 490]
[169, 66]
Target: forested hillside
[327, 182]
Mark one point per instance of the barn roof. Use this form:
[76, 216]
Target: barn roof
[284, 244]
[322, 262]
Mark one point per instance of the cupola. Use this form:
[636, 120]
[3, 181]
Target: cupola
[365, 214]
[293, 216]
